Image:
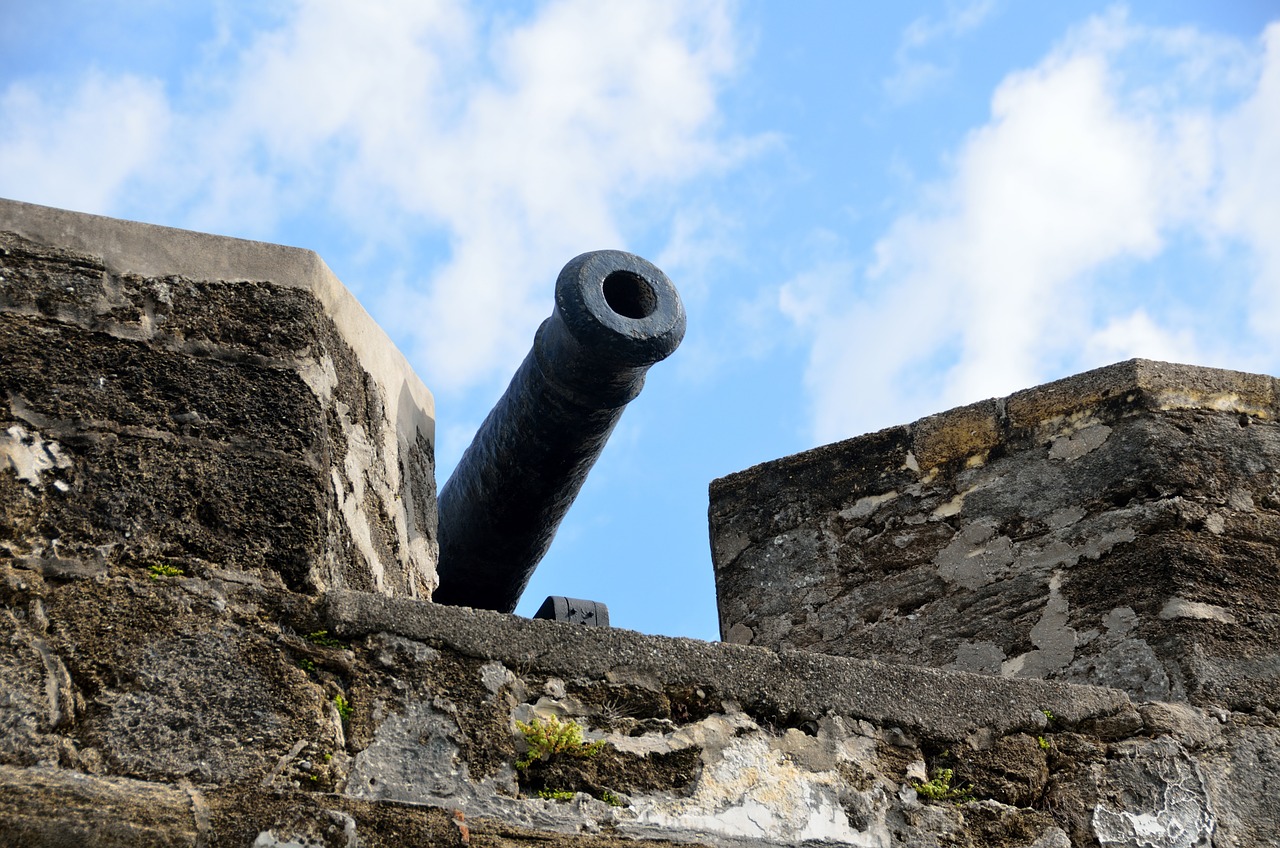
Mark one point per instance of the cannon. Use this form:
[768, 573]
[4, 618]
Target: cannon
[615, 315]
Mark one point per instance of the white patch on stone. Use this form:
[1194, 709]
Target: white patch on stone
[414, 757]
[1170, 399]
[321, 377]
[1120, 621]
[1065, 517]
[1054, 639]
[371, 468]
[1158, 800]
[1241, 500]
[973, 558]
[1182, 608]
[29, 455]
[752, 792]
[917, 771]
[867, 505]
[267, 839]
[910, 463]
[1080, 443]
[1215, 524]
[710, 734]
[951, 507]
[495, 675]
[1054, 837]
[1098, 545]
[361, 535]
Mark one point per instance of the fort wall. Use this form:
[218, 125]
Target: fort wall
[217, 530]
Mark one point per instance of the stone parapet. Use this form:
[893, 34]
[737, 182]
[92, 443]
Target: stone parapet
[226, 710]
[1117, 528]
[176, 400]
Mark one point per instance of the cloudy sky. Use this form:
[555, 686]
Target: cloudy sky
[872, 211]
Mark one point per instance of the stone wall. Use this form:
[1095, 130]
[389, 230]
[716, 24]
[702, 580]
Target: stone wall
[217, 541]
[172, 400]
[1117, 528]
[192, 711]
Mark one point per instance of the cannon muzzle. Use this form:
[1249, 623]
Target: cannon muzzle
[615, 315]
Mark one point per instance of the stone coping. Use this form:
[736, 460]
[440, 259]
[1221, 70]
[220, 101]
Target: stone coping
[931, 703]
[153, 251]
[970, 431]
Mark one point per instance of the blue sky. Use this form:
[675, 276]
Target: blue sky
[872, 211]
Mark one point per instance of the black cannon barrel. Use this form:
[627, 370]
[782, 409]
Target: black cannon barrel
[615, 315]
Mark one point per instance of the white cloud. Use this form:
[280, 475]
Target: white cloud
[1248, 200]
[959, 19]
[914, 75]
[1091, 161]
[1134, 335]
[78, 149]
[592, 106]
[523, 141]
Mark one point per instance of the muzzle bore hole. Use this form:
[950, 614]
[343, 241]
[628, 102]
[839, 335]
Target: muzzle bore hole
[629, 295]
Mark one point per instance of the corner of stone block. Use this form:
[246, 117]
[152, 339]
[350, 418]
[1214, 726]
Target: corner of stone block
[956, 435]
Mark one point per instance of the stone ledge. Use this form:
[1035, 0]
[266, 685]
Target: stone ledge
[941, 705]
[966, 432]
[189, 711]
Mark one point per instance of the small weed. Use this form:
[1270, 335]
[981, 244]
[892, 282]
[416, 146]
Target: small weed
[611, 799]
[555, 794]
[552, 737]
[1048, 714]
[328, 757]
[1043, 743]
[160, 570]
[939, 788]
[324, 640]
[307, 665]
[344, 709]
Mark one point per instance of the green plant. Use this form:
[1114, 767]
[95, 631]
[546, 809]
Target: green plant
[940, 788]
[324, 640]
[611, 799]
[1048, 714]
[555, 794]
[344, 709]
[307, 665]
[551, 737]
[1043, 743]
[159, 570]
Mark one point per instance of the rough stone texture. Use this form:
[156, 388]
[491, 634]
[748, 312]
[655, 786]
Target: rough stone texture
[229, 710]
[158, 416]
[1117, 528]
[185, 463]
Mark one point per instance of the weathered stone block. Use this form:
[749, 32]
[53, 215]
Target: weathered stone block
[1119, 528]
[173, 399]
[227, 710]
